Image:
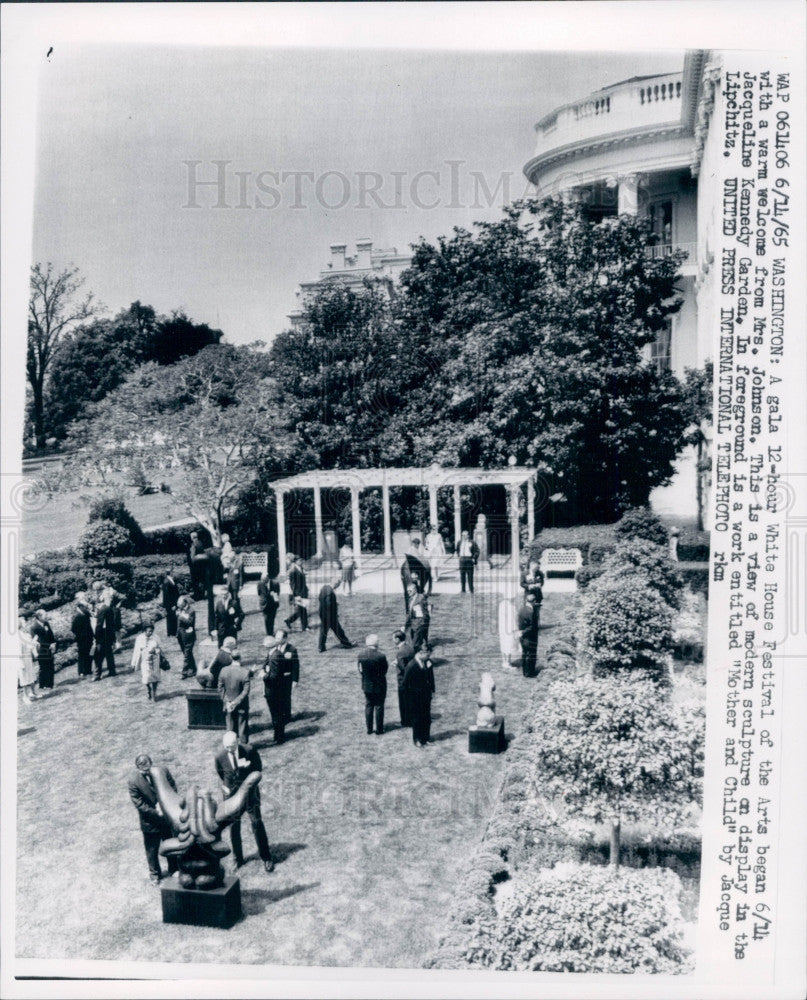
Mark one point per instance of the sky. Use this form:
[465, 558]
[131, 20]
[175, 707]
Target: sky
[307, 147]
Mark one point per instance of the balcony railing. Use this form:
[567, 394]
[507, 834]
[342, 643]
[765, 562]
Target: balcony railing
[667, 249]
[634, 103]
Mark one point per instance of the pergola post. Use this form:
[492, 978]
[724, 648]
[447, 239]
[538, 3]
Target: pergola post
[281, 528]
[457, 515]
[433, 505]
[320, 538]
[514, 532]
[530, 509]
[387, 522]
[355, 524]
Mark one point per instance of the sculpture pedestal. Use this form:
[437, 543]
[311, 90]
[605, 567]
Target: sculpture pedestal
[203, 907]
[205, 710]
[487, 739]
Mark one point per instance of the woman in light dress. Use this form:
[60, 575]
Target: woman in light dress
[146, 656]
[435, 549]
[347, 562]
[509, 644]
[26, 671]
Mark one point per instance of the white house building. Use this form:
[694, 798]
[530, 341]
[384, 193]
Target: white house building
[643, 147]
[382, 266]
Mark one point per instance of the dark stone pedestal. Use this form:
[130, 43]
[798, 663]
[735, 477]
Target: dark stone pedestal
[205, 710]
[487, 739]
[202, 907]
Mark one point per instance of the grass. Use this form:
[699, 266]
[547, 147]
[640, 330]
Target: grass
[369, 833]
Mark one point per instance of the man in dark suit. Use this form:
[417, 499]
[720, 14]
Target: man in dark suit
[233, 763]
[170, 595]
[234, 690]
[229, 615]
[45, 648]
[104, 635]
[281, 671]
[208, 676]
[527, 620]
[268, 601]
[419, 567]
[373, 668]
[404, 651]
[81, 627]
[153, 825]
[329, 617]
[418, 619]
[419, 688]
[197, 563]
[299, 594]
[406, 581]
[468, 552]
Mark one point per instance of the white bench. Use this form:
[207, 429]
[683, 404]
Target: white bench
[255, 562]
[560, 561]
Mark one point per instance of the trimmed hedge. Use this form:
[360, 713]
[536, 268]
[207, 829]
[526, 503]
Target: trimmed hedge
[104, 540]
[624, 624]
[581, 918]
[653, 562]
[116, 511]
[641, 523]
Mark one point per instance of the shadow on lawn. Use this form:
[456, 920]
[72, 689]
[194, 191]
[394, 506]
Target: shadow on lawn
[24, 732]
[291, 734]
[171, 694]
[280, 852]
[447, 735]
[255, 901]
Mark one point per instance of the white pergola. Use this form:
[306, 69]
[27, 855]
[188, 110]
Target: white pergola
[432, 478]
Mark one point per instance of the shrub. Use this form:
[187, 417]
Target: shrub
[641, 522]
[696, 577]
[625, 624]
[634, 555]
[114, 510]
[693, 546]
[103, 540]
[175, 540]
[586, 574]
[689, 627]
[579, 918]
[614, 750]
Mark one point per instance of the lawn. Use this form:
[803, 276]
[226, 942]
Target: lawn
[370, 833]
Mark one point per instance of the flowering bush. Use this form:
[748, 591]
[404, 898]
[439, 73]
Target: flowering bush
[641, 522]
[688, 626]
[580, 918]
[625, 624]
[103, 540]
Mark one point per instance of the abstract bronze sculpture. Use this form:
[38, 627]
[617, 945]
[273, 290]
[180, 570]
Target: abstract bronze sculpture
[197, 822]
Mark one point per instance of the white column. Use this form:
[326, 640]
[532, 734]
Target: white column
[457, 516]
[281, 529]
[530, 509]
[387, 522]
[628, 200]
[433, 504]
[514, 534]
[318, 521]
[356, 525]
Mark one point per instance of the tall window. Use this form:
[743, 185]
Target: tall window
[660, 349]
[660, 215]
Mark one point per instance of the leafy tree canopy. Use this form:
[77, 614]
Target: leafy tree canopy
[210, 421]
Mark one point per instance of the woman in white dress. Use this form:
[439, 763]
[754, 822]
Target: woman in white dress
[509, 644]
[27, 671]
[436, 550]
[146, 656]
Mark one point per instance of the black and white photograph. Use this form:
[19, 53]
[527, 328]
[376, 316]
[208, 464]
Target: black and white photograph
[400, 483]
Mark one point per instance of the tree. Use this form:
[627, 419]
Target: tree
[535, 328]
[54, 309]
[95, 358]
[698, 384]
[339, 375]
[210, 421]
[614, 749]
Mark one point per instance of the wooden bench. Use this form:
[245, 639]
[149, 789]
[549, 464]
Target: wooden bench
[255, 563]
[560, 562]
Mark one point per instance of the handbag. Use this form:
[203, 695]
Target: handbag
[164, 664]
